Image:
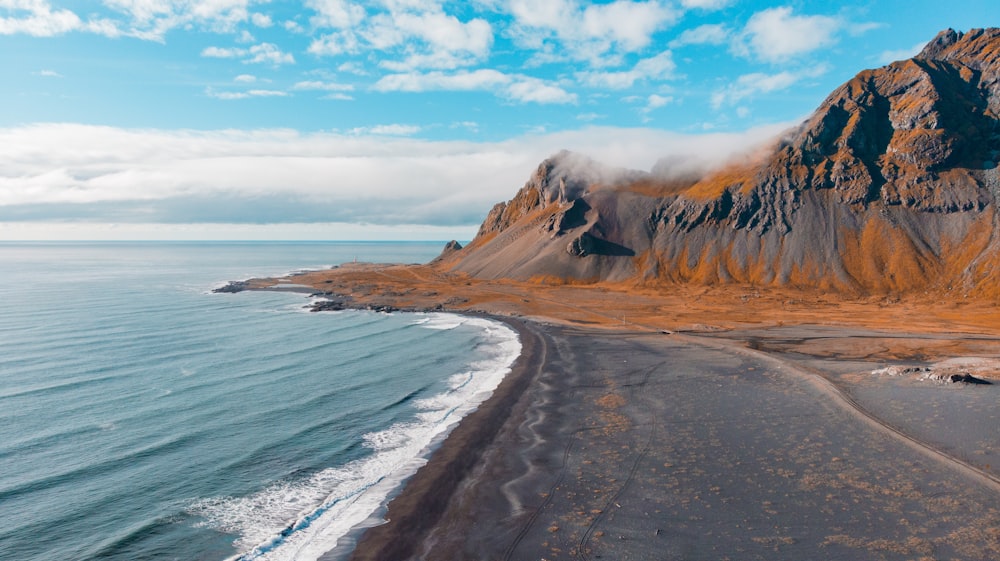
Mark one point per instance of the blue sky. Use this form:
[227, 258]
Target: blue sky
[340, 119]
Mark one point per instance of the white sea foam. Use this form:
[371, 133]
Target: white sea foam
[444, 321]
[302, 520]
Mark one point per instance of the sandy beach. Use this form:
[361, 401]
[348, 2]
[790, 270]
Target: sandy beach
[733, 427]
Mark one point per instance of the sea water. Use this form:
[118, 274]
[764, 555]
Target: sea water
[144, 417]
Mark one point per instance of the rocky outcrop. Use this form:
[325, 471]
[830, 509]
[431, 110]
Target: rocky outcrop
[232, 287]
[890, 186]
[560, 180]
[967, 378]
[450, 249]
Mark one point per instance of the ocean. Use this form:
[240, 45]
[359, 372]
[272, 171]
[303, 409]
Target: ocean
[144, 417]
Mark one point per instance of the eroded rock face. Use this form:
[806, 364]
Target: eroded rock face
[890, 186]
[558, 181]
[896, 134]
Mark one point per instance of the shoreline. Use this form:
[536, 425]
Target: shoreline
[475, 498]
[537, 472]
[416, 508]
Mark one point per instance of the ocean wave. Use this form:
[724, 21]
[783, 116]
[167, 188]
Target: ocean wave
[442, 321]
[303, 519]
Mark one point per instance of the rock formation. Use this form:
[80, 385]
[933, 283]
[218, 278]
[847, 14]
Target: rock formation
[891, 186]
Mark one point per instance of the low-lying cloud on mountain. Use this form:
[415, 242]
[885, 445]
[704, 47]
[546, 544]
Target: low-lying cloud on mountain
[54, 173]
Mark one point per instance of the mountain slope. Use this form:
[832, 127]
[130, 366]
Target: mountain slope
[891, 186]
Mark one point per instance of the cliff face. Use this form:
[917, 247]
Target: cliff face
[890, 186]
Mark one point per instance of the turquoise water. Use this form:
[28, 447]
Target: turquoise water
[143, 417]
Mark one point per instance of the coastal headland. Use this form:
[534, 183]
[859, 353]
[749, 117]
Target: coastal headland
[789, 355]
[700, 423]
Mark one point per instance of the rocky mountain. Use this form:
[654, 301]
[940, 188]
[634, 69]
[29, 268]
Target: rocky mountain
[890, 186]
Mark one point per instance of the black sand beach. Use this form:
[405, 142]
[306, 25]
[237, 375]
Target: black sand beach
[618, 445]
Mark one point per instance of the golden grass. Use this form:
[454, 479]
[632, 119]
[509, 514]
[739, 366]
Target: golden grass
[667, 306]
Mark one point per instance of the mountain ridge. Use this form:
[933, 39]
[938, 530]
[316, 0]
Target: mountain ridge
[890, 186]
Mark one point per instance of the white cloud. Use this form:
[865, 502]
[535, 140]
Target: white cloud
[777, 35]
[901, 54]
[223, 52]
[63, 172]
[659, 67]
[706, 4]
[408, 35]
[448, 33]
[524, 89]
[264, 53]
[153, 19]
[591, 32]
[534, 90]
[335, 14]
[267, 93]
[245, 94]
[143, 19]
[353, 67]
[749, 85]
[37, 18]
[323, 86]
[269, 53]
[261, 20]
[467, 125]
[656, 101]
[334, 44]
[104, 26]
[708, 34]
[245, 79]
[437, 40]
[628, 24]
[861, 28]
[47, 74]
[649, 103]
[482, 79]
[386, 130]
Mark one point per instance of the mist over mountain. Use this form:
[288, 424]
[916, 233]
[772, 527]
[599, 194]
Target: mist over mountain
[891, 186]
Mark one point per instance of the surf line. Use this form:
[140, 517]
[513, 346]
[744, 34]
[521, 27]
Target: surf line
[301, 524]
[306, 521]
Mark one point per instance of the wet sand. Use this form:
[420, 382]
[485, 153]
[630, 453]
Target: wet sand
[693, 423]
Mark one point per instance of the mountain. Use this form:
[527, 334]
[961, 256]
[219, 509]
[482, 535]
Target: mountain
[891, 186]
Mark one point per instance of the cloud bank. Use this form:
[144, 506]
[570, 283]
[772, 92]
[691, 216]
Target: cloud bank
[80, 173]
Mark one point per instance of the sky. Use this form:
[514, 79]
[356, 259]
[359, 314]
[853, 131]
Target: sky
[395, 119]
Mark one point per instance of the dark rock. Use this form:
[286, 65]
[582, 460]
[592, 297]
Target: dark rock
[588, 243]
[967, 378]
[581, 246]
[451, 249]
[572, 217]
[332, 305]
[233, 287]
